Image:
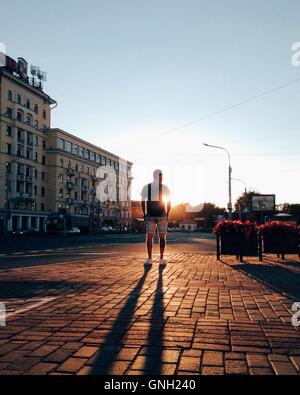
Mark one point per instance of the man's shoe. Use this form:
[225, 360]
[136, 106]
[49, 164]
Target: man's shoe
[148, 262]
[162, 262]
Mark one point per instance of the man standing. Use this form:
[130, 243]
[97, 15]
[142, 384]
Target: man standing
[156, 207]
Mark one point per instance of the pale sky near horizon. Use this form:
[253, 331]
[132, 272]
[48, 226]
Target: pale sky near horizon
[124, 72]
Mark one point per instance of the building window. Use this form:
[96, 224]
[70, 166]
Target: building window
[19, 116]
[43, 176]
[44, 144]
[76, 166]
[42, 207]
[61, 144]
[27, 154]
[81, 151]
[103, 160]
[35, 173]
[19, 151]
[44, 114]
[93, 156]
[36, 108]
[61, 193]
[35, 140]
[18, 99]
[27, 103]
[36, 124]
[82, 168]
[28, 119]
[68, 147]
[98, 158]
[19, 134]
[87, 154]
[8, 130]
[75, 149]
[43, 191]
[8, 112]
[9, 95]
[88, 170]
[61, 163]
[75, 195]
[43, 160]
[35, 157]
[61, 178]
[8, 149]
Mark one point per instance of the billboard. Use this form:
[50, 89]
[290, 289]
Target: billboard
[263, 203]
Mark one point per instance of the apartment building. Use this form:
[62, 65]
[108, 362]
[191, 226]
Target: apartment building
[76, 169]
[25, 114]
[46, 171]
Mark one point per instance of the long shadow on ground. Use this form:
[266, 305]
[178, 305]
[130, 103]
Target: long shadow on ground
[28, 289]
[105, 358]
[277, 277]
[153, 363]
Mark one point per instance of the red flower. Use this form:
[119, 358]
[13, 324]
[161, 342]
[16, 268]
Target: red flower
[235, 227]
[278, 228]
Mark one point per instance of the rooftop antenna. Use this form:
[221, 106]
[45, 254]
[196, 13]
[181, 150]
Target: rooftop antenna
[34, 72]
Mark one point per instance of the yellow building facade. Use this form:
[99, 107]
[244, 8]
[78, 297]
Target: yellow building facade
[44, 171]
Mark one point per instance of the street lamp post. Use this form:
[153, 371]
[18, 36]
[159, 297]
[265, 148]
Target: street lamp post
[229, 174]
[243, 182]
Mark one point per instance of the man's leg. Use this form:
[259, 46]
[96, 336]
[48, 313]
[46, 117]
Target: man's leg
[162, 244]
[150, 244]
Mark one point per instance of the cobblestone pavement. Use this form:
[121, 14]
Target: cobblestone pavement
[111, 316]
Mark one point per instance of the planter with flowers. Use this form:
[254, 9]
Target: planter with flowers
[279, 238]
[236, 238]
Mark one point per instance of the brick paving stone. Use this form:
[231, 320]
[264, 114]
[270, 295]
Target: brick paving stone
[212, 318]
[213, 370]
[41, 369]
[189, 364]
[258, 361]
[212, 358]
[59, 356]
[72, 365]
[43, 351]
[23, 364]
[235, 367]
[284, 368]
[261, 371]
[86, 352]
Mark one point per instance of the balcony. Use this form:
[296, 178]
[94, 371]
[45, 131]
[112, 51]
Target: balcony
[71, 172]
[70, 185]
[70, 201]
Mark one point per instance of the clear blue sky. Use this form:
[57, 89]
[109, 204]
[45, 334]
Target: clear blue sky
[125, 70]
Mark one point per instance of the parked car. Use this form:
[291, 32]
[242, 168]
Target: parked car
[25, 232]
[73, 231]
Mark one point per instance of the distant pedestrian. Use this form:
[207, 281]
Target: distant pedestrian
[156, 207]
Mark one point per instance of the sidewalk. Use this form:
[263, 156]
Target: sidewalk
[197, 316]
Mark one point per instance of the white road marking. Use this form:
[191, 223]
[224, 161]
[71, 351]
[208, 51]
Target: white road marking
[30, 307]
